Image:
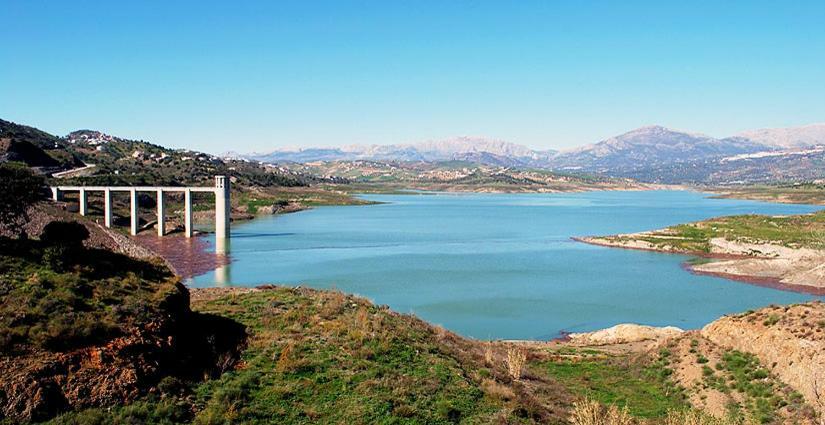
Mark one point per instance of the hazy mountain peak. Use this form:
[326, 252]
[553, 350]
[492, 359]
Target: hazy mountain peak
[788, 137]
[465, 148]
[473, 144]
[657, 131]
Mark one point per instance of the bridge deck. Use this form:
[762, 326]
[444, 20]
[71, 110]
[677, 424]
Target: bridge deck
[220, 190]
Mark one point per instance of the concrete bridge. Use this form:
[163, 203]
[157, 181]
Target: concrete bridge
[222, 203]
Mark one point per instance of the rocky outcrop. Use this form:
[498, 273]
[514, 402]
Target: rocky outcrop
[35, 383]
[624, 333]
[789, 340]
[790, 266]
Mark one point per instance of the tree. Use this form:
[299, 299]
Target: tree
[20, 188]
[64, 238]
[70, 233]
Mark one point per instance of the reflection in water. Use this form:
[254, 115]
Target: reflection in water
[187, 256]
[222, 272]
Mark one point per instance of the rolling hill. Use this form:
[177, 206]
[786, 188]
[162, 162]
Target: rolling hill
[35, 148]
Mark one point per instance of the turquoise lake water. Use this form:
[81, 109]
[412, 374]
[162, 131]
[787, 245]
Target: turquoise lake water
[501, 265]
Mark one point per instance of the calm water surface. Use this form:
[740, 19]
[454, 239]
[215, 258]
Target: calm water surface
[500, 265]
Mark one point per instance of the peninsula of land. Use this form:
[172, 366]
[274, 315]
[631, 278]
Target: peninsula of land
[781, 251]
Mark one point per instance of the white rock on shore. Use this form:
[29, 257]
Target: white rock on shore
[624, 333]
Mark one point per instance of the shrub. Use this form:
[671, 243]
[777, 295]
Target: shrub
[516, 357]
[771, 320]
[21, 189]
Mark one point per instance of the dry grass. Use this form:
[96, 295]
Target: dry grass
[516, 358]
[497, 390]
[285, 361]
[692, 417]
[589, 412]
[488, 353]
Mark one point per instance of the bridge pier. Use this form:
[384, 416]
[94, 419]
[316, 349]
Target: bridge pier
[107, 207]
[187, 213]
[222, 207]
[161, 214]
[133, 211]
[82, 198]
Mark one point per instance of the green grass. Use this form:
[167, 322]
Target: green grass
[643, 386]
[331, 362]
[772, 319]
[795, 231]
[325, 358]
[92, 296]
[764, 395]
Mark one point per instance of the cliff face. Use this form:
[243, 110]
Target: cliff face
[789, 340]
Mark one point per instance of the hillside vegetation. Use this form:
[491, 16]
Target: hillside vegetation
[325, 357]
[457, 176]
[35, 148]
[82, 327]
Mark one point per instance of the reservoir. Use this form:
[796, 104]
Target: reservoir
[501, 266]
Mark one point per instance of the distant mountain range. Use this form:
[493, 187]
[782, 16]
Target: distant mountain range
[473, 149]
[654, 153]
[648, 154]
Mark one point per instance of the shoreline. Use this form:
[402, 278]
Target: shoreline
[763, 281]
[641, 187]
[781, 198]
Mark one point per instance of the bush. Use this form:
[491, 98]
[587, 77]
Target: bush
[67, 233]
[21, 189]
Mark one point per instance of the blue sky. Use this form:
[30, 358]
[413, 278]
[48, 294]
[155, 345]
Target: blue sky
[220, 76]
